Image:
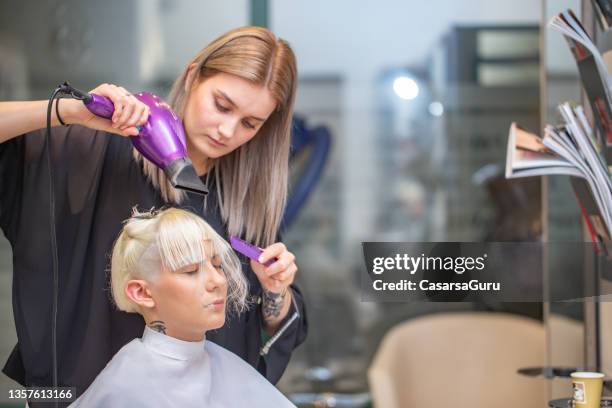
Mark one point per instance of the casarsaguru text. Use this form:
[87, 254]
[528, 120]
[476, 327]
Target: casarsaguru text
[407, 285]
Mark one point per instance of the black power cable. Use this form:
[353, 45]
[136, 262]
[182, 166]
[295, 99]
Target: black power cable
[63, 90]
[53, 234]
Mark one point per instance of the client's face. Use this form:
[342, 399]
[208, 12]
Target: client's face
[190, 300]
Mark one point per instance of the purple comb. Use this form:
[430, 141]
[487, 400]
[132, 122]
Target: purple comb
[250, 251]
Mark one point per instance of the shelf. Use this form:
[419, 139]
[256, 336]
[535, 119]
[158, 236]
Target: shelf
[567, 403]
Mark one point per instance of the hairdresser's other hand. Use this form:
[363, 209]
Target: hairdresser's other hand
[279, 275]
[129, 112]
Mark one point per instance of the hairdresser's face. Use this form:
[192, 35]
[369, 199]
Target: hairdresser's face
[190, 300]
[222, 113]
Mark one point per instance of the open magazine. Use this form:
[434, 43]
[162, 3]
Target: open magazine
[594, 76]
[571, 150]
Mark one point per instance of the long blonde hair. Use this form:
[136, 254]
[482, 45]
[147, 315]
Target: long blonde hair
[252, 181]
[173, 238]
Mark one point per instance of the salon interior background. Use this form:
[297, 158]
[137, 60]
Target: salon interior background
[415, 159]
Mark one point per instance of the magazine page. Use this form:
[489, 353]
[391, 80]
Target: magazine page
[527, 155]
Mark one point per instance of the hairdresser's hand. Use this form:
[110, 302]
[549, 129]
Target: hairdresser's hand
[275, 280]
[278, 276]
[129, 112]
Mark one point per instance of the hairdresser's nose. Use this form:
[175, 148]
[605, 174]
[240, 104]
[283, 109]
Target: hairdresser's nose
[227, 128]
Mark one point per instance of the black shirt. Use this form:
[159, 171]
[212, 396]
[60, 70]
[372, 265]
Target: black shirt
[96, 184]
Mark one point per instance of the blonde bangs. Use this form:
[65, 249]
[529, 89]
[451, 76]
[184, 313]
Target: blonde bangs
[181, 239]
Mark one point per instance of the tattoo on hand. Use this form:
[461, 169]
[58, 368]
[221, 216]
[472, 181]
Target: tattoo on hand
[272, 304]
[158, 326]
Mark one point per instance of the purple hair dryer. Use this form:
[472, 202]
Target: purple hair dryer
[161, 139]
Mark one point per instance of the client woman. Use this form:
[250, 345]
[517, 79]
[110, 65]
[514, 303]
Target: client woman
[172, 268]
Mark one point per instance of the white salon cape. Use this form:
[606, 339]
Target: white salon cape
[162, 371]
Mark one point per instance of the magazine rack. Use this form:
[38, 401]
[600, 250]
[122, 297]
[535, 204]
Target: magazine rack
[597, 264]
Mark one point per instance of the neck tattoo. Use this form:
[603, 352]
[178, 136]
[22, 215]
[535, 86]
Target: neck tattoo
[158, 326]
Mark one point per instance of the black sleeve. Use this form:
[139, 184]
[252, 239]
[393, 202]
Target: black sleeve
[11, 180]
[77, 155]
[276, 360]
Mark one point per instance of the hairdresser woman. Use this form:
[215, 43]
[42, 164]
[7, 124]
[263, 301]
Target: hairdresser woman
[236, 101]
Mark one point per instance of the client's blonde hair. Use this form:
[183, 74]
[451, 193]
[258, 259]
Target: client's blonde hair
[178, 237]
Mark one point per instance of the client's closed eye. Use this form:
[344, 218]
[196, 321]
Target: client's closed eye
[191, 271]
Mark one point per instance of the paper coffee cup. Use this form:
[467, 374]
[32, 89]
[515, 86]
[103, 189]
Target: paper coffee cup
[587, 389]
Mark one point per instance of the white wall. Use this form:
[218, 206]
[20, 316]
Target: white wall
[348, 36]
[188, 25]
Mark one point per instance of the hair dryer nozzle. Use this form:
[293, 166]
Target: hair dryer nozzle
[182, 175]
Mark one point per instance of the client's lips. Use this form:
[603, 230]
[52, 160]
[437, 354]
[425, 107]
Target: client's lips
[217, 304]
